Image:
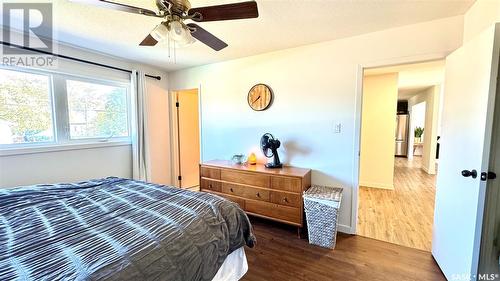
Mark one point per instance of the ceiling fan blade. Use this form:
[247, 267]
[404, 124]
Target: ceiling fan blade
[206, 37]
[235, 11]
[118, 7]
[148, 41]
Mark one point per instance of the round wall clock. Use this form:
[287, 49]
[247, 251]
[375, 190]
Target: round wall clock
[260, 97]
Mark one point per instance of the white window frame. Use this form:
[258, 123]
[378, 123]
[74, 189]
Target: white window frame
[60, 116]
[66, 136]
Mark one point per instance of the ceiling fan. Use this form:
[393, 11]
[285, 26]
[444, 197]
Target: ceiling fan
[175, 12]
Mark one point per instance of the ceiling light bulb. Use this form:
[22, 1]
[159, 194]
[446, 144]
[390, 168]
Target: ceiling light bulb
[186, 39]
[177, 31]
[160, 33]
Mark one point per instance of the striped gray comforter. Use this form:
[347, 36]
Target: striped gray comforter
[116, 229]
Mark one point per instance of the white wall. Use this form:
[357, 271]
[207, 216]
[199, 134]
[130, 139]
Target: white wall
[76, 165]
[431, 97]
[417, 119]
[159, 131]
[380, 97]
[480, 15]
[65, 166]
[315, 86]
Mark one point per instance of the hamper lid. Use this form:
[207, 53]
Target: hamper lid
[324, 193]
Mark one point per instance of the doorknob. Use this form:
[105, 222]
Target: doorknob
[467, 173]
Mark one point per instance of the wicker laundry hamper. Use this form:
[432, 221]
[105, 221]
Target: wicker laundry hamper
[321, 204]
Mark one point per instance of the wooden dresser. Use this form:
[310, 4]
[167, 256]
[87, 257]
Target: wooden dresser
[274, 194]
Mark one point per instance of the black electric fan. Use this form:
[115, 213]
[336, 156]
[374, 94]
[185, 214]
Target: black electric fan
[269, 146]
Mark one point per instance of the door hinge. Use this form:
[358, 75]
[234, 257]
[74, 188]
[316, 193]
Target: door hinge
[176, 104]
[179, 178]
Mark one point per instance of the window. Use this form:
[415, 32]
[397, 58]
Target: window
[47, 108]
[25, 108]
[96, 111]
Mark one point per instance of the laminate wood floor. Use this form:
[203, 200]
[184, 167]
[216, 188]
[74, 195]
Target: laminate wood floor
[280, 256]
[403, 216]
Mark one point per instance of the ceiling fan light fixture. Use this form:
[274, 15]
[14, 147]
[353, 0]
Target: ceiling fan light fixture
[176, 31]
[187, 39]
[180, 34]
[160, 33]
[174, 12]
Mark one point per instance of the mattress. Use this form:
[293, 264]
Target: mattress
[117, 229]
[234, 267]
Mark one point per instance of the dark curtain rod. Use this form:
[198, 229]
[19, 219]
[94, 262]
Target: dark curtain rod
[75, 59]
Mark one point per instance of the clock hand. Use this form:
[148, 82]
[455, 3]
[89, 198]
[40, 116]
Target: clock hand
[256, 100]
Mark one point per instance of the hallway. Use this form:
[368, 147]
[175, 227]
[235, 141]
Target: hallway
[402, 216]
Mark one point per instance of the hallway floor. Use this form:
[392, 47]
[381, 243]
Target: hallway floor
[402, 216]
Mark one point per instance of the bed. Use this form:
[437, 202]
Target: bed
[120, 229]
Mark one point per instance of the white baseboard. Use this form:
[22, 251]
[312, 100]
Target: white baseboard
[193, 188]
[425, 169]
[376, 185]
[344, 229]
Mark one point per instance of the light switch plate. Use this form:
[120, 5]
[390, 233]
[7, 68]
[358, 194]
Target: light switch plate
[337, 127]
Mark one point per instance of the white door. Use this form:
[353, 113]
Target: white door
[469, 94]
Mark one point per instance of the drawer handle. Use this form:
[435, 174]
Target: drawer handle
[258, 194]
[209, 185]
[231, 189]
[285, 199]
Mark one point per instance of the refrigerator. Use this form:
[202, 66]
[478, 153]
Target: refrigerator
[402, 122]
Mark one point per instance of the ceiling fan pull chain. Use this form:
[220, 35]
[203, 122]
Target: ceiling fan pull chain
[175, 54]
[168, 44]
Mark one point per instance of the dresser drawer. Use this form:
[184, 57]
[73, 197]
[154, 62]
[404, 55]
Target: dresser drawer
[287, 199]
[245, 178]
[271, 210]
[286, 184]
[245, 191]
[210, 173]
[210, 185]
[237, 200]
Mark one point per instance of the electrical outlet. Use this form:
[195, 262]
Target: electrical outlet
[338, 127]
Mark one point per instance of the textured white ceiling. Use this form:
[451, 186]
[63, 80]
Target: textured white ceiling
[282, 24]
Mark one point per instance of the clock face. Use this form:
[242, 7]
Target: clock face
[260, 97]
